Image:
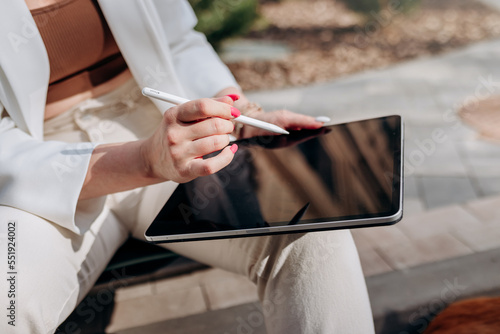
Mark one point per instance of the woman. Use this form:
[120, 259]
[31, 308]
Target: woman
[85, 161]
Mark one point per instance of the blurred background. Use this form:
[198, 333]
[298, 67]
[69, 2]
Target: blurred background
[283, 43]
[436, 63]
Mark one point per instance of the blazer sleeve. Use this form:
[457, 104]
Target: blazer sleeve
[45, 177]
[200, 70]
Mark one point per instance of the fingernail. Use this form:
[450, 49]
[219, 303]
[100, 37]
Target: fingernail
[234, 97]
[234, 148]
[232, 138]
[235, 112]
[323, 119]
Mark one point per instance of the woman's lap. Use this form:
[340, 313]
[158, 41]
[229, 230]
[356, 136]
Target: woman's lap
[294, 273]
[56, 268]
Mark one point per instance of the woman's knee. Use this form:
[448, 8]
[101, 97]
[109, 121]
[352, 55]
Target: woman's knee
[311, 252]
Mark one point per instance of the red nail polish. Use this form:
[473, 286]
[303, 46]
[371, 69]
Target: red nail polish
[234, 148]
[235, 112]
[234, 97]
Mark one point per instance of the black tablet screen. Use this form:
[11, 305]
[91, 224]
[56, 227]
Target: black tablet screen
[339, 172]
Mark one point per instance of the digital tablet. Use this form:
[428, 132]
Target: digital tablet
[338, 177]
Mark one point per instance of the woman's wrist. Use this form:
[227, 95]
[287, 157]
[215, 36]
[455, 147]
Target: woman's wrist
[117, 167]
[146, 161]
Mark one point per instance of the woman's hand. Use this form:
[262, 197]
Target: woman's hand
[283, 118]
[188, 132]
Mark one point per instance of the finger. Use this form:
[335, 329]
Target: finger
[209, 127]
[298, 121]
[212, 165]
[207, 145]
[228, 99]
[205, 108]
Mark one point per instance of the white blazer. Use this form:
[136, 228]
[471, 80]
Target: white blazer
[156, 39]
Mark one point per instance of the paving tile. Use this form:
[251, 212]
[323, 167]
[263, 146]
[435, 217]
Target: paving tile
[404, 255]
[486, 210]
[241, 319]
[224, 289]
[430, 116]
[421, 110]
[451, 97]
[488, 186]
[469, 62]
[383, 87]
[441, 132]
[220, 288]
[437, 221]
[459, 131]
[481, 157]
[178, 282]
[375, 236]
[410, 187]
[237, 50]
[394, 102]
[426, 71]
[159, 307]
[480, 239]
[412, 206]
[361, 241]
[426, 157]
[477, 148]
[442, 191]
[481, 169]
[135, 291]
[372, 263]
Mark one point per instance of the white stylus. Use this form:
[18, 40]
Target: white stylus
[156, 94]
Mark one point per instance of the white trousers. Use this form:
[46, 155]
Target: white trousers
[307, 283]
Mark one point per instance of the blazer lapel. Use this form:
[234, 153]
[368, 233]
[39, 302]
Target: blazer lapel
[24, 68]
[139, 34]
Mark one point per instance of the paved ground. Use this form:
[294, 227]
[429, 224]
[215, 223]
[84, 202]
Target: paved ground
[451, 223]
